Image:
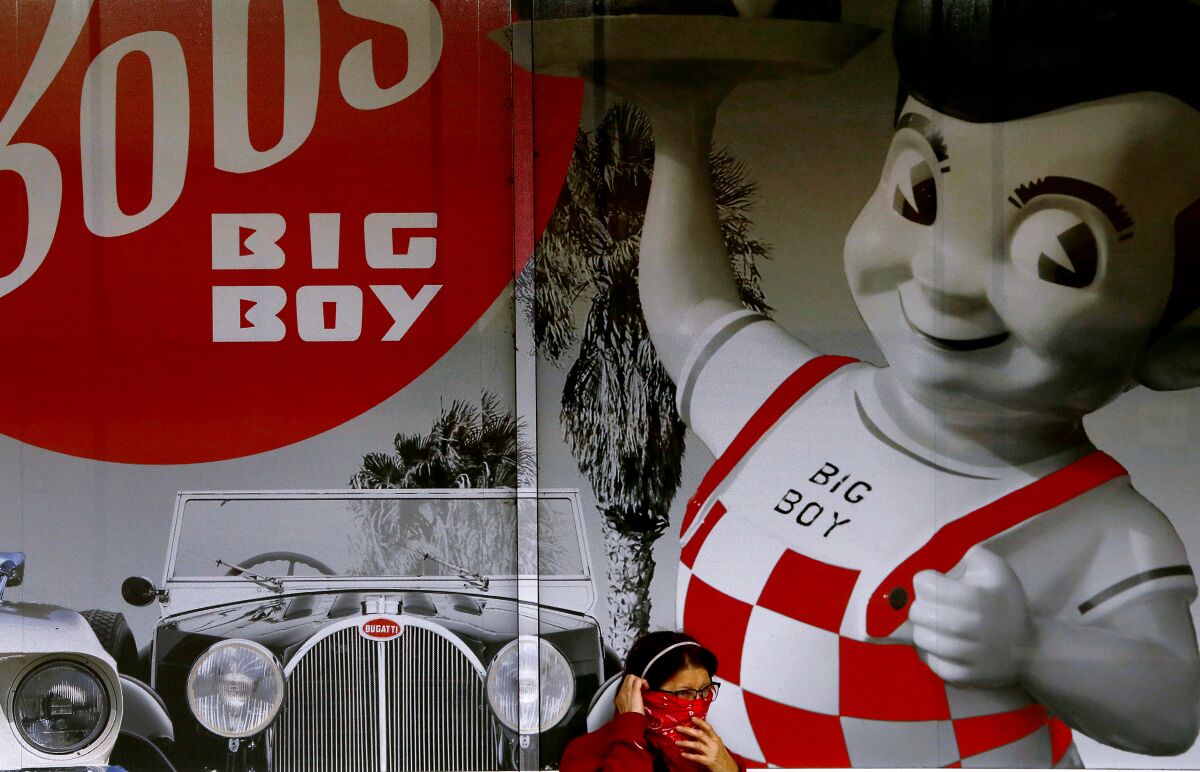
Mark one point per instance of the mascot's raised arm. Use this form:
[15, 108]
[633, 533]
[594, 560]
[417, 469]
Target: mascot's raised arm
[929, 563]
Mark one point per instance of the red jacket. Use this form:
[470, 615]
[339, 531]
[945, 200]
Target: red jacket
[621, 746]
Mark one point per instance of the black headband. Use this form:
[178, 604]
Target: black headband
[987, 61]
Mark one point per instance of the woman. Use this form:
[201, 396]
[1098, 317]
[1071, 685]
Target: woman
[660, 709]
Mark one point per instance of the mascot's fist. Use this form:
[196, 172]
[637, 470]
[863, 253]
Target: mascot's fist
[974, 630]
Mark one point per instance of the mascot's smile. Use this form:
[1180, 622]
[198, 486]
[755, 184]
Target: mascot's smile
[955, 344]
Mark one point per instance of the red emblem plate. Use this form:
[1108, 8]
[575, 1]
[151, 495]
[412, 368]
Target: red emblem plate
[380, 629]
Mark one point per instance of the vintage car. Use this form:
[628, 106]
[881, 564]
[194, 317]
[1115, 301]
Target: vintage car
[374, 630]
[64, 704]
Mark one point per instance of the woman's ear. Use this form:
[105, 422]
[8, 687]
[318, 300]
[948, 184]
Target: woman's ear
[1172, 361]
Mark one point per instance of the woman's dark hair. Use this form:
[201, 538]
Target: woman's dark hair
[650, 645]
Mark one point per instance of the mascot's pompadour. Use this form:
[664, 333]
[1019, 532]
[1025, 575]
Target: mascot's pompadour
[929, 563]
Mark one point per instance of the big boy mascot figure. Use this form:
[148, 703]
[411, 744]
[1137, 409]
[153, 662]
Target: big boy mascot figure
[929, 563]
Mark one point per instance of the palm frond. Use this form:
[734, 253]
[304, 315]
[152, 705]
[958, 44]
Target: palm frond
[618, 404]
[468, 445]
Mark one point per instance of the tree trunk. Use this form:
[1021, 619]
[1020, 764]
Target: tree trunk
[630, 569]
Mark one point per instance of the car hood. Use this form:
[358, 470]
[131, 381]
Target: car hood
[37, 628]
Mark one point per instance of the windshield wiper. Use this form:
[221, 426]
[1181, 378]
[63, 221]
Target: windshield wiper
[270, 582]
[472, 578]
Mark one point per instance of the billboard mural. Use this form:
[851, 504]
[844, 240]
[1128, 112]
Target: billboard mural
[424, 356]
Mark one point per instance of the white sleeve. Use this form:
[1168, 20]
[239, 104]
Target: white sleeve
[731, 369]
[1099, 552]
[1138, 555]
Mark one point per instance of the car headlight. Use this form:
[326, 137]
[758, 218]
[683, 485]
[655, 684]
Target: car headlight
[530, 685]
[235, 688]
[61, 707]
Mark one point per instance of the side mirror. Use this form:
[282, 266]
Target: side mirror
[12, 570]
[140, 591]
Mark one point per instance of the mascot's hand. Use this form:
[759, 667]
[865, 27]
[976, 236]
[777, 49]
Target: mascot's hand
[975, 630]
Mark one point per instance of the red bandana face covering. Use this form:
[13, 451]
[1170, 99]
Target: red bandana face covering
[665, 713]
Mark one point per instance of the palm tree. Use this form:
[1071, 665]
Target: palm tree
[618, 404]
[467, 446]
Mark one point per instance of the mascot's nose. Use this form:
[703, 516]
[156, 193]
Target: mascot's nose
[949, 278]
[950, 317]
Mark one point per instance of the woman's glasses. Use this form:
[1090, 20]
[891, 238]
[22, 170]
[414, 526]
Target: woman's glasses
[708, 693]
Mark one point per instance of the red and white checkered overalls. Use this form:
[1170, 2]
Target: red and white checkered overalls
[804, 684]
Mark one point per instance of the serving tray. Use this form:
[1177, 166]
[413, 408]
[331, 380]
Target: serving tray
[756, 48]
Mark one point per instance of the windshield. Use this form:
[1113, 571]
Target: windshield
[361, 536]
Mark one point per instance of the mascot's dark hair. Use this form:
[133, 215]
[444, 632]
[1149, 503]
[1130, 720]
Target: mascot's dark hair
[987, 61]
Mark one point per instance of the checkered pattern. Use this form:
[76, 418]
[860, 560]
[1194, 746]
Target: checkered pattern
[799, 694]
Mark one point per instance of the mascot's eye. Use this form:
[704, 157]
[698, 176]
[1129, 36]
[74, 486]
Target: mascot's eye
[915, 196]
[1057, 246]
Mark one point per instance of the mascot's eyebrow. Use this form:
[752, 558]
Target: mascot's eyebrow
[924, 126]
[1069, 186]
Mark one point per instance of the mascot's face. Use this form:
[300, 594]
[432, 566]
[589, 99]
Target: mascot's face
[1020, 267]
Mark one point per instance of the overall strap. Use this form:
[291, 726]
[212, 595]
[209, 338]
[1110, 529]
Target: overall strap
[781, 400]
[888, 606]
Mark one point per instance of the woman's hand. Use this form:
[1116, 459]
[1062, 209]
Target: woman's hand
[706, 749]
[629, 697]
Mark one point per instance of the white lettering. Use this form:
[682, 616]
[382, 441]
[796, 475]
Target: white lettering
[232, 151]
[98, 133]
[324, 239]
[377, 237]
[39, 169]
[262, 243]
[36, 165]
[422, 26]
[345, 306]
[404, 309]
[261, 317]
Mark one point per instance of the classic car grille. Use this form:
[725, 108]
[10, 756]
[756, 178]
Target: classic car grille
[431, 713]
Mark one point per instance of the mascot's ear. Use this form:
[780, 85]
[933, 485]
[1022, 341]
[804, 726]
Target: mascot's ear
[1172, 361]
